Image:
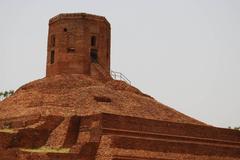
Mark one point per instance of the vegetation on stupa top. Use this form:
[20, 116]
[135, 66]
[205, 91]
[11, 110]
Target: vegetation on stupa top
[6, 94]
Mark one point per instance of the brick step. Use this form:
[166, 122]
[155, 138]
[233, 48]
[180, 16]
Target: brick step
[30, 137]
[48, 156]
[111, 131]
[63, 156]
[19, 122]
[168, 128]
[53, 156]
[88, 152]
[8, 154]
[136, 158]
[5, 139]
[163, 145]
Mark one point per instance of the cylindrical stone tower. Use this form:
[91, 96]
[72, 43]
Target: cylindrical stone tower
[75, 41]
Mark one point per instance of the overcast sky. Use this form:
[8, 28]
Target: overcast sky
[185, 53]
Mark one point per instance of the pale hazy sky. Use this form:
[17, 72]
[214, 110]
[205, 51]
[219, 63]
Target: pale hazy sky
[185, 53]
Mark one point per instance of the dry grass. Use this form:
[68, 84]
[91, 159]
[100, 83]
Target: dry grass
[7, 130]
[47, 150]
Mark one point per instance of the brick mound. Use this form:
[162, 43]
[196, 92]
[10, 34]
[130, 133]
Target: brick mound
[67, 95]
[68, 117]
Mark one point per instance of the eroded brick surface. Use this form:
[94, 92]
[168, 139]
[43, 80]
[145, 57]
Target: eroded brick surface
[79, 112]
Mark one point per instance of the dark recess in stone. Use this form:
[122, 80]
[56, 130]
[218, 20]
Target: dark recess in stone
[72, 133]
[102, 99]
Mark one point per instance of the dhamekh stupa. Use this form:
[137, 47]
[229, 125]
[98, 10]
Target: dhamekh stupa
[79, 112]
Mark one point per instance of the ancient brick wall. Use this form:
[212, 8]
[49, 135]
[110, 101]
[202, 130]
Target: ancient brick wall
[168, 128]
[5, 139]
[158, 145]
[75, 41]
[124, 135]
[131, 133]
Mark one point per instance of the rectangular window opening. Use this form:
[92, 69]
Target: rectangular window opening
[93, 41]
[70, 50]
[52, 57]
[94, 55]
[53, 39]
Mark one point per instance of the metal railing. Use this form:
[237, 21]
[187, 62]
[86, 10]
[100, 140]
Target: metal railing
[120, 76]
